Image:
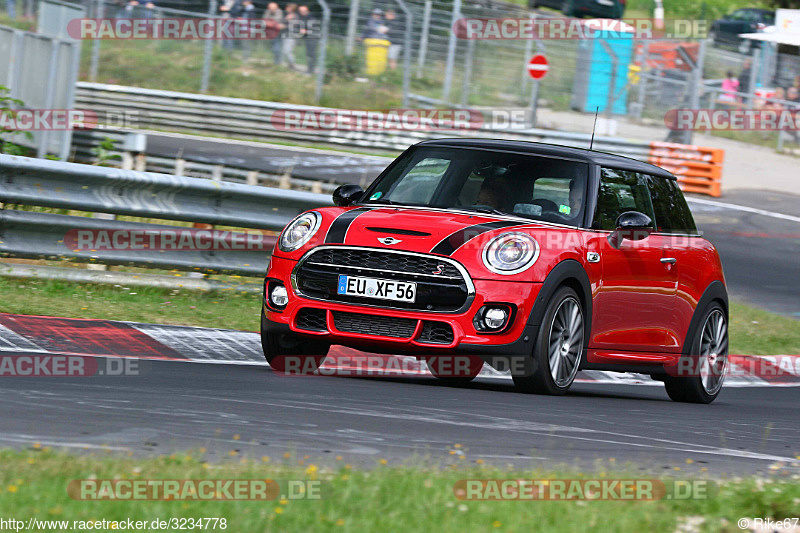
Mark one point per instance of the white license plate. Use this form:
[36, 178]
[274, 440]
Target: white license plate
[382, 289]
[605, 2]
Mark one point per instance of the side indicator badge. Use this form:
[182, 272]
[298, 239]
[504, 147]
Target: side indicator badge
[592, 257]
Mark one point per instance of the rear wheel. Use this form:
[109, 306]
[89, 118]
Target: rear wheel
[709, 359]
[455, 370]
[559, 347]
[287, 353]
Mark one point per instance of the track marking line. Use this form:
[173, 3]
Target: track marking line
[745, 209]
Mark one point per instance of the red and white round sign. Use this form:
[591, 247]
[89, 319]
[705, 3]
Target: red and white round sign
[538, 67]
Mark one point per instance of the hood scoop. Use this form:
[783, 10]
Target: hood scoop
[399, 231]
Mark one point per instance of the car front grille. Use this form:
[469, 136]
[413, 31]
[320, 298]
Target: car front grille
[386, 261]
[384, 326]
[441, 286]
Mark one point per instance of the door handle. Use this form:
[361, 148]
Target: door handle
[669, 260]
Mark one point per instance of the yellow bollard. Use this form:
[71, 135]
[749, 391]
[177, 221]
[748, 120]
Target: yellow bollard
[377, 56]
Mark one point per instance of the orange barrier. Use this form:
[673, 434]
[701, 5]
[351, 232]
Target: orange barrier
[698, 168]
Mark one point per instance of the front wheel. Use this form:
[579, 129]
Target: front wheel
[708, 365]
[559, 347]
[287, 353]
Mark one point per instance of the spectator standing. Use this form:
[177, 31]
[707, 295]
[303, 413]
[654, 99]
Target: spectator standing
[246, 14]
[229, 9]
[309, 30]
[274, 18]
[290, 37]
[744, 77]
[793, 95]
[730, 86]
[375, 28]
[11, 6]
[396, 36]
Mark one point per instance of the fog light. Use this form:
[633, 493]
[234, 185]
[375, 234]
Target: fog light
[495, 318]
[279, 297]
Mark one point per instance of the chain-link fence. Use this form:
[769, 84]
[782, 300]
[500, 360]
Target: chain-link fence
[388, 53]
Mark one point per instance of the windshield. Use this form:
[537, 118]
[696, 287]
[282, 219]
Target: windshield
[535, 187]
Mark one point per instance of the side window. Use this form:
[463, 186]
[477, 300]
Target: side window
[620, 191]
[671, 210]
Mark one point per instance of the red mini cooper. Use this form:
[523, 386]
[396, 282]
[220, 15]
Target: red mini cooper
[535, 259]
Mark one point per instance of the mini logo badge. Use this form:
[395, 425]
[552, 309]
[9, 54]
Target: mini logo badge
[388, 241]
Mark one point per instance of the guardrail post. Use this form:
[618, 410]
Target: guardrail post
[208, 52]
[406, 50]
[423, 40]
[217, 171]
[252, 177]
[180, 165]
[352, 27]
[94, 66]
[451, 51]
[323, 46]
[468, 60]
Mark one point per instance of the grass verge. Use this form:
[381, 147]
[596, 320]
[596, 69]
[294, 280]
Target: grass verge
[33, 483]
[753, 331]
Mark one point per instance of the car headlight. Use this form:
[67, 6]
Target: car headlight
[299, 231]
[510, 253]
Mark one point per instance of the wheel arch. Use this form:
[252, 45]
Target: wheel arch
[715, 292]
[568, 273]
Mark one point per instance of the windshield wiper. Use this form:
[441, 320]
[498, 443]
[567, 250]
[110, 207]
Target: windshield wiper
[488, 210]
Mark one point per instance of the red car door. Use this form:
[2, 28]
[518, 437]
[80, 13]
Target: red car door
[634, 299]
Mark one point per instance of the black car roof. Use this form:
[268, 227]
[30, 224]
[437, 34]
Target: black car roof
[554, 150]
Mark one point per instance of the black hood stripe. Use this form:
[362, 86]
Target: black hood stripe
[338, 230]
[453, 242]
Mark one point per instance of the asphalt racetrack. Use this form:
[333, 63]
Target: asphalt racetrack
[178, 406]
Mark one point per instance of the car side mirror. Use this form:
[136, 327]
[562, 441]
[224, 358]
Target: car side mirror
[347, 194]
[631, 225]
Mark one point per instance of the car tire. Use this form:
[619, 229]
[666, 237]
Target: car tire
[711, 348]
[439, 367]
[568, 8]
[558, 351]
[279, 347]
[712, 36]
[534, 4]
[745, 47]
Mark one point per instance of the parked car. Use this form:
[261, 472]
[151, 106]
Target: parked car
[613, 9]
[533, 258]
[726, 31]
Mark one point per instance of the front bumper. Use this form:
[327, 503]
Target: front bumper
[516, 339]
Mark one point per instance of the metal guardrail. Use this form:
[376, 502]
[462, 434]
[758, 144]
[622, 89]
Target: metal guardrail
[85, 141]
[85, 188]
[218, 116]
